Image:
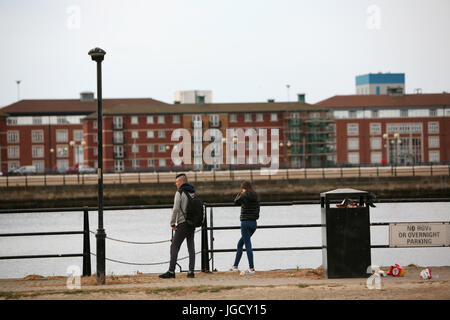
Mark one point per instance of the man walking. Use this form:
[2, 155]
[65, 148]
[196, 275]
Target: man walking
[182, 229]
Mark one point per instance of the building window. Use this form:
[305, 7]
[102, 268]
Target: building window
[433, 113]
[39, 164]
[248, 117]
[434, 156]
[233, 117]
[352, 114]
[13, 165]
[162, 148]
[78, 135]
[274, 117]
[61, 136]
[353, 144]
[13, 136]
[150, 163]
[37, 151]
[118, 123]
[259, 117]
[375, 157]
[62, 151]
[134, 134]
[433, 127]
[433, 142]
[135, 163]
[37, 120]
[118, 151]
[314, 115]
[161, 134]
[62, 164]
[134, 148]
[134, 120]
[162, 162]
[176, 119]
[375, 129]
[375, 114]
[62, 120]
[150, 134]
[118, 137]
[161, 119]
[149, 119]
[94, 124]
[13, 152]
[375, 143]
[150, 148]
[353, 157]
[37, 136]
[352, 129]
[403, 113]
[11, 121]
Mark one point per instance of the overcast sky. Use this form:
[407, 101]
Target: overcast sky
[242, 50]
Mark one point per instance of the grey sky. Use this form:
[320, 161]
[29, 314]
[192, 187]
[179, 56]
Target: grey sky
[242, 50]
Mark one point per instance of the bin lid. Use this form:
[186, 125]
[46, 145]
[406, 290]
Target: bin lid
[339, 193]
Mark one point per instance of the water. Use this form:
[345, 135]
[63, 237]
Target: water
[153, 225]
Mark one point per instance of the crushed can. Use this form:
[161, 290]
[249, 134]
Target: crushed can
[396, 271]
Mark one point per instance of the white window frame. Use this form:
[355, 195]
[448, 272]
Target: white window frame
[248, 117]
[150, 120]
[62, 135]
[134, 134]
[433, 127]
[37, 136]
[375, 128]
[375, 143]
[433, 142]
[352, 129]
[37, 152]
[353, 144]
[13, 152]
[176, 118]
[274, 117]
[353, 157]
[233, 117]
[134, 120]
[13, 136]
[375, 157]
[161, 119]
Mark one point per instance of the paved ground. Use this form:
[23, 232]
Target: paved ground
[283, 284]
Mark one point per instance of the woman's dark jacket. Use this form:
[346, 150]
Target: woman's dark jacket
[249, 205]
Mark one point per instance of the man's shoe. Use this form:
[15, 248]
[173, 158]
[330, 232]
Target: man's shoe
[167, 275]
[191, 274]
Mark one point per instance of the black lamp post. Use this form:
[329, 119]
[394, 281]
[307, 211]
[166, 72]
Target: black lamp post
[97, 55]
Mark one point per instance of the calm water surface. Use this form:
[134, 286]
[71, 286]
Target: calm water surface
[153, 225]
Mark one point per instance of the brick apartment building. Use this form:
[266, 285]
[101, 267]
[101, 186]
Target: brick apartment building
[392, 128]
[138, 136]
[48, 133]
[57, 134]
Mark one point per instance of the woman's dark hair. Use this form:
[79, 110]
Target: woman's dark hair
[247, 186]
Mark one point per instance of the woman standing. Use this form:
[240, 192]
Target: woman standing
[248, 200]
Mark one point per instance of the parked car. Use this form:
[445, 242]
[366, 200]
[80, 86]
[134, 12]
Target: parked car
[72, 170]
[86, 169]
[23, 171]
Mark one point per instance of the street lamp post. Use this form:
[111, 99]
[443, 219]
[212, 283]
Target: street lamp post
[97, 55]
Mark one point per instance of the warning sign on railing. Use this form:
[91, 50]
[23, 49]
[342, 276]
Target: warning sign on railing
[419, 234]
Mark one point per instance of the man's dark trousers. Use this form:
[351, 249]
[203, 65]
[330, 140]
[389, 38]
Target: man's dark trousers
[184, 231]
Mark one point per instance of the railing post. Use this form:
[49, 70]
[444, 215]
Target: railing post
[211, 237]
[205, 260]
[86, 244]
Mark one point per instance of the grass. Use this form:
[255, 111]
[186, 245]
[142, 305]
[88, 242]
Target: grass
[302, 285]
[162, 290]
[214, 289]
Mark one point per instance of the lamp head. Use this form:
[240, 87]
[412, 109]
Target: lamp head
[97, 54]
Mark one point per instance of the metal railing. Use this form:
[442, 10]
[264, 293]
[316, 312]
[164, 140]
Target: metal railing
[207, 242]
[227, 175]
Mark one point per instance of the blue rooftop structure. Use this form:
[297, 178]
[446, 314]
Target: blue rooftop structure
[380, 78]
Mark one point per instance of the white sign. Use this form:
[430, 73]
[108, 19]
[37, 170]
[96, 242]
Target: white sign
[419, 234]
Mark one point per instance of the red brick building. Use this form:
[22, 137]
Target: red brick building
[138, 136]
[394, 128]
[48, 133]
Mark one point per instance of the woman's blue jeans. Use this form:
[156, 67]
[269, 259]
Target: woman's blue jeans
[248, 227]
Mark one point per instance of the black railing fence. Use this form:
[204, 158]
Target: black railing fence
[207, 241]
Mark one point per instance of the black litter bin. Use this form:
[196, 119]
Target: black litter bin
[345, 233]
